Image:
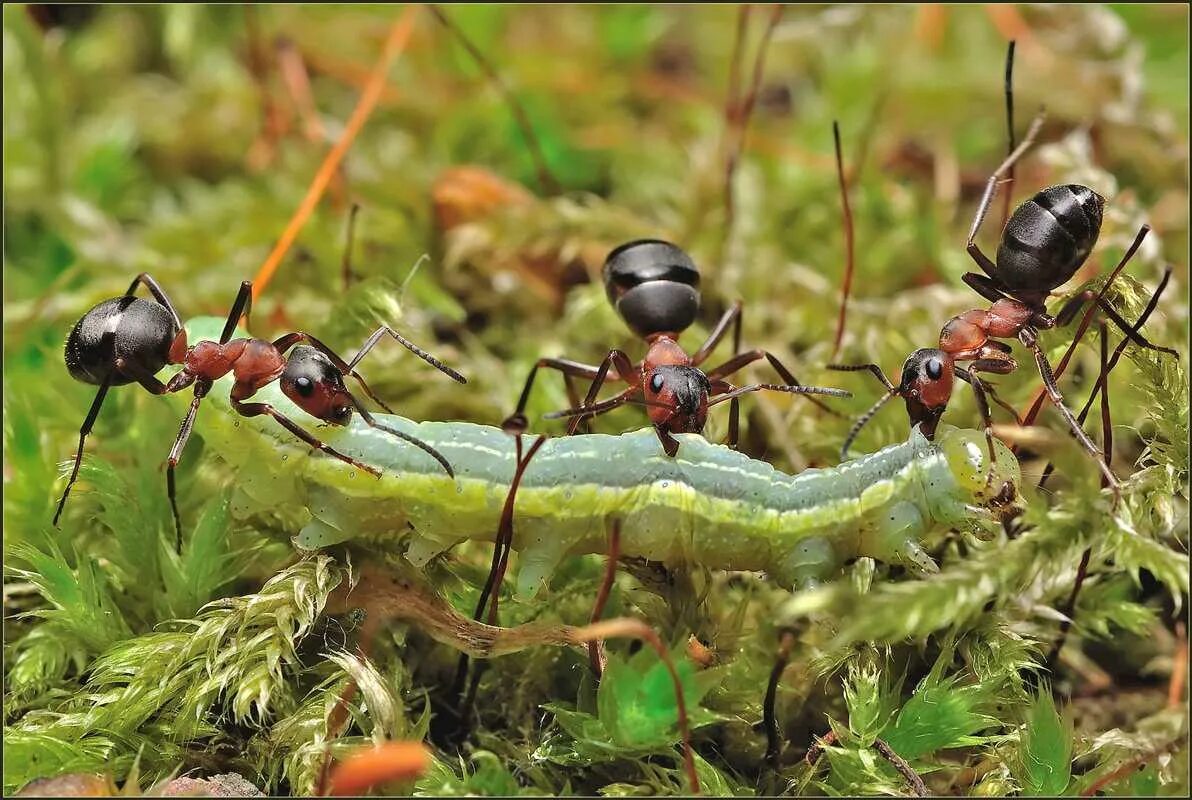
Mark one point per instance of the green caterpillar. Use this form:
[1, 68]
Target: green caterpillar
[708, 505]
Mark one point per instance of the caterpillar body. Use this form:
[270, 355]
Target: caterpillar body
[707, 505]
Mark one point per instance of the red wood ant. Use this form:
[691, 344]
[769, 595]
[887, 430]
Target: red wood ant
[128, 339]
[1045, 242]
[654, 286]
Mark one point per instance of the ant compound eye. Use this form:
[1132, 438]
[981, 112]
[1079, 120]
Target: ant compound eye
[935, 369]
[656, 383]
[305, 386]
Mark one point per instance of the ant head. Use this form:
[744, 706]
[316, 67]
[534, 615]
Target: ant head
[677, 397]
[926, 387]
[653, 285]
[138, 331]
[316, 386]
[1047, 239]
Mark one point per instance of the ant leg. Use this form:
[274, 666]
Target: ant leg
[734, 424]
[1057, 400]
[998, 367]
[730, 317]
[624, 369]
[256, 409]
[241, 307]
[573, 399]
[595, 410]
[1131, 334]
[84, 430]
[721, 386]
[188, 423]
[517, 420]
[988, 288]
[1107, 429]
[974, 251]
[979, 387]
[1103, 378]
[405, 437]
[1106, 418]
[150, 383]
[741, 360]
[159, 294]
[1073, 305]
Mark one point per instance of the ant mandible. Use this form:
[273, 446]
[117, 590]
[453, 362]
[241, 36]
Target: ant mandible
[127, 339]
[654, 287]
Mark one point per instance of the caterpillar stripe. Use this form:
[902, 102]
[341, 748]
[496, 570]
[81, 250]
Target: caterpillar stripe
[708, 505]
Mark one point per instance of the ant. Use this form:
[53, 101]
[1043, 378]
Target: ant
[127, 339]
[654, 287]
[1045, 241]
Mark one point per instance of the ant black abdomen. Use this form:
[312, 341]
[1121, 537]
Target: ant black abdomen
[123, 329]
[1048, 237]
[653, 285]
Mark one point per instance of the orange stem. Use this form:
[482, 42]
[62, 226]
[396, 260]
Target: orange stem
[395, 43]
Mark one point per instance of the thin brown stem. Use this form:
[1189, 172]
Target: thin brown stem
[738, 111]
[1069, 609]
[849, 243]
[387, 596]
[595, 650]
[546, 178]
[1008, 194]
[912, 778]
[1129, 767]
[272, 125]
[769, 717]
[1179, 667]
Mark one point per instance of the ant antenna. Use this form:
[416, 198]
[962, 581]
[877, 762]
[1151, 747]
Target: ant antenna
[864, 419]
[778, 387]
[370, 420]
[849, 244]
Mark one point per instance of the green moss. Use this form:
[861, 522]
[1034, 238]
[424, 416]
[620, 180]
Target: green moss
[127, 147]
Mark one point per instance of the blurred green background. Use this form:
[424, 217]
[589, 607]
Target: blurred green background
[179, 140]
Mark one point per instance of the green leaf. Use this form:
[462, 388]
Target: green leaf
[942, 713]
[871, 695]
[1044, 763]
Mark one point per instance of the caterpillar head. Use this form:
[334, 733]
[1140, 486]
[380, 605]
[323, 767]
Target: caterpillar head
[994, 487]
